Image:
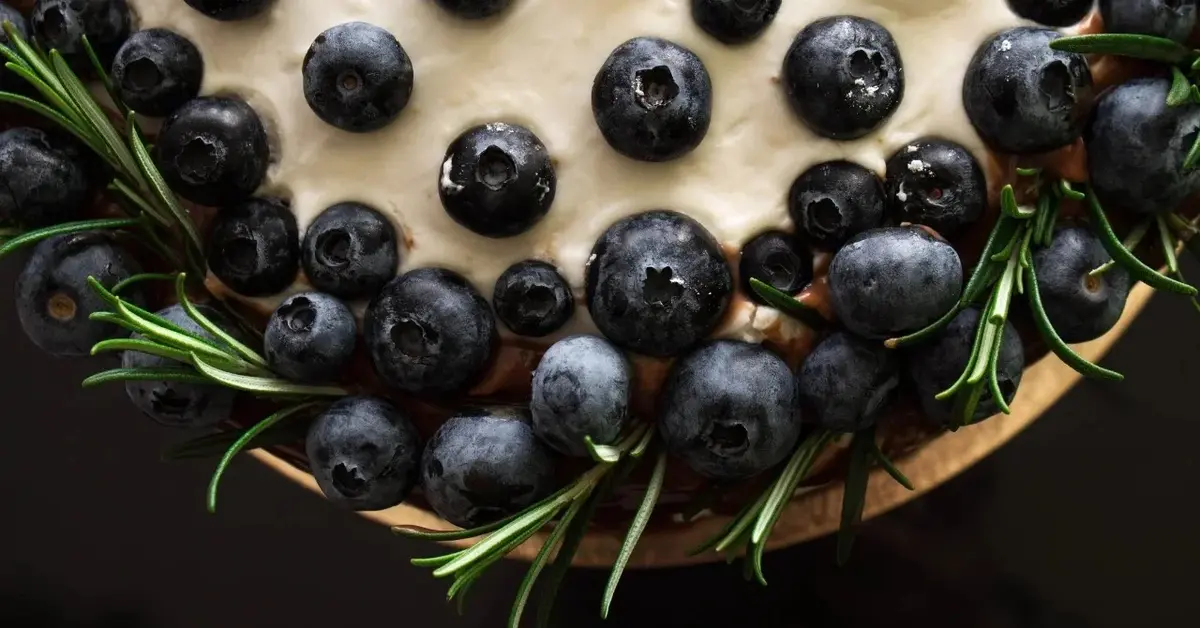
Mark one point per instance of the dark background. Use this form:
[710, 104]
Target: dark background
[1087, 519]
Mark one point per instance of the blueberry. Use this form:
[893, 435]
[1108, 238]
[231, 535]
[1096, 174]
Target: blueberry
[734, 21]
[254, 247]
[174, 404]
[532, 299]
[54, 299]
[775, 259]
[474, 9]
[843, 76]
[936, 183]
[657, 283]
[1173, 19]
[429, 332]
[890, 281]
[350, 251]
[1052, 12]
[364, 453]
[1136, 147]
[157, 71]
[652, 99]
[581, 388]
[497, 180]
[935, 365]
[357, 77]
[9, 14]
[61, 25]
[43, 178]
[213, 151]
[483, 465]
[846, 382]
[1080, 307]
[229, 10]
[1024, 97]
[834, 201]
[310, 338]
[730, 410]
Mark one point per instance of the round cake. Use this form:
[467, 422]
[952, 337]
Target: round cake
[549, 268]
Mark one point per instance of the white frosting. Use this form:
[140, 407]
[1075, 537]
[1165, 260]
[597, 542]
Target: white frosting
[534, 66]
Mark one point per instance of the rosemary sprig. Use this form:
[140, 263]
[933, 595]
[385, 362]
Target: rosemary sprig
[216, 444]
[854, 493]
[245, 439]
[789, 305]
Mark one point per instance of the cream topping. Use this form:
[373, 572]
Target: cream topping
[534, 66]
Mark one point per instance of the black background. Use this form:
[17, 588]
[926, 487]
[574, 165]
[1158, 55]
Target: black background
[1086, 519]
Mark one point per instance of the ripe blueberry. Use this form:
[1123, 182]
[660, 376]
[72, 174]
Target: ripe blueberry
[429, 332]
[1052, 12]
[43, 178]
[581, 388]
[310, 338]
[532, 299]
[483, 465]
[935, 365]
[497, 180]
[730, 410]
[1136, 147]
[156, 71]
[61, 25]
[474, 9]
[734, 21]
[54, 299]
[1080, 307]
[834, 201]
[357, 77]
[890, 281]
[846, 382]
[364, 453]
[254, 247]
[652, 99]
[229, 10]
[657, 283]
[936, 183]
[213, 151]
[843, 76]
[350, 251]
[775, 259]
[1173, 19]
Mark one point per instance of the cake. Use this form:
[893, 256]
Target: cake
[576, 266]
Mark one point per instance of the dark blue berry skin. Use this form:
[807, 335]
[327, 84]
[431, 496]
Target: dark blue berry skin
[8, 82]
[174, 404]
[485, 464]
[61, 25]
[1024, 97]
[310, 338]
[350, 251]
[890, 281]
[935, 365]
[1052, 12]
[357, 77]
[653, 99]
[734, 21]
[213, 151]
[430, 332]
[776, 259]
[843, 76]
[1173, 19]
[846, 382]
[54, 299]
[1136, 147]
[657, 283]
[834, 201]
[581, 388]
[254, 247]
[364, 453]
[156, 71]
[532, 299]
[474, 9]
[730, 410]
[936, 183]
[230, 10]
[43, 178]
[497, 180]
[1081, 308]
